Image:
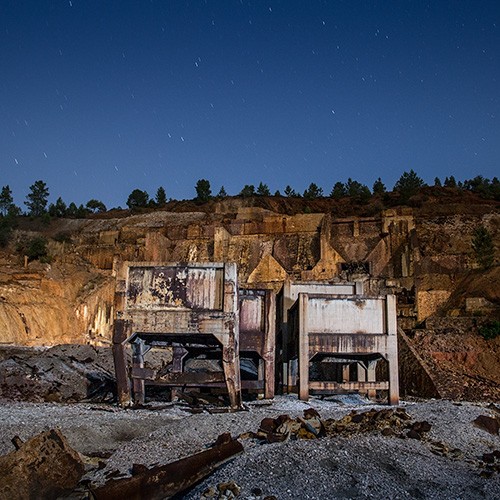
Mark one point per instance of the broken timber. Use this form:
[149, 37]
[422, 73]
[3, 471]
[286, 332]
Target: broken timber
[180, 306]
[166, 481]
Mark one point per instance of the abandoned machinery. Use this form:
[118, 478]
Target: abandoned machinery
[311, 337]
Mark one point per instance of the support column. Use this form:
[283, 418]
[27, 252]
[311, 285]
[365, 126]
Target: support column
[231, 366]
[371, 374]
[392, 350]
[270, 345]
[178, 355]
[303, 348]
[121, 331]
[138, 386]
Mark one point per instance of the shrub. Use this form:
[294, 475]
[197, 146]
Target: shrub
[35, 249]
[490, 330]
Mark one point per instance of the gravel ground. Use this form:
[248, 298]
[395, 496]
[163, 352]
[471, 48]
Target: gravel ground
[359, 466]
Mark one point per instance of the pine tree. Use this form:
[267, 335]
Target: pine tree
[161, 197]
[338, 191]
[450, 182]
[379, 187]
[203, 191]
[248, 190]
[263, 190]
[95, 206]
[6, 200]
[408, 185]
[137, 199]
[59, 209]
[222, 192]
[313, 191]
[37, 199]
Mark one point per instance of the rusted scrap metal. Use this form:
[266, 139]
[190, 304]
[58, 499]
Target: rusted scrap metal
[488, 424]
[391, 422]
[165, 481]
[45, 466]
[279, 429]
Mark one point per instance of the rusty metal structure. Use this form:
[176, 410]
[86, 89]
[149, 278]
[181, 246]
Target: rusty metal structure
[286, 297]
[257, 313]
[351, 330]
[166, 481]
[181, 306]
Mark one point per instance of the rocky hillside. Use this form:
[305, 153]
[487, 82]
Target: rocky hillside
[422, 253]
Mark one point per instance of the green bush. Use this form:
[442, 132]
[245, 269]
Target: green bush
[490, 330]
[35, 249]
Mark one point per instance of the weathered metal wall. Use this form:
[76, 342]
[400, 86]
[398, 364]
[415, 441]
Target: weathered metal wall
[346, 315]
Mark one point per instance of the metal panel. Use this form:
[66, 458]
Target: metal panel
[252, 310]
[346, 315]
[161, 288]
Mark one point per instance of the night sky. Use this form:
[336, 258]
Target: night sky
[100, 97]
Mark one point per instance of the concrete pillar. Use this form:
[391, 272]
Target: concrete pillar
[120, 334]
[392, 350]
[303, 348]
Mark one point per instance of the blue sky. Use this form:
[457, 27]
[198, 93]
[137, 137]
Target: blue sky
[99, 97]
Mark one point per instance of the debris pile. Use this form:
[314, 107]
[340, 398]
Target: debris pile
[390, 422]
[62, 374]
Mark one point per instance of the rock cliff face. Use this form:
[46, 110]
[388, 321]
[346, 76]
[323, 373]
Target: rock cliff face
[423, 255]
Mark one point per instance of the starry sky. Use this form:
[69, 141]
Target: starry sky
[100, 97]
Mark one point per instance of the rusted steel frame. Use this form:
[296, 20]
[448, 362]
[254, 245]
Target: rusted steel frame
[168, 480]
[176, 378]
[305, 345]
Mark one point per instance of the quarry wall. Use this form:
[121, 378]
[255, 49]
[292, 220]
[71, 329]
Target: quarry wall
[422, 259]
